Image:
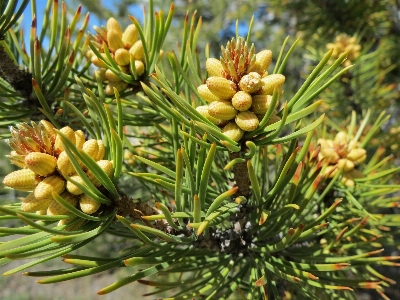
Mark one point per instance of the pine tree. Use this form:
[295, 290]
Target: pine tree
[238, 166]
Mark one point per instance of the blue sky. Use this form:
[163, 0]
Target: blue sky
[134, 10]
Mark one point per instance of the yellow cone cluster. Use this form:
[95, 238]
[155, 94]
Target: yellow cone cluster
[344, 43]
[342, 154]
[238, 89]
[122, 45]
[44, 164]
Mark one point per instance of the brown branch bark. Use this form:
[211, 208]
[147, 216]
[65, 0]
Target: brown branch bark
[18, 79]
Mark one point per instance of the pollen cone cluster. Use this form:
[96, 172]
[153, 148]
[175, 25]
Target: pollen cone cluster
[122, 45]
[44, 164]
[239, 89]
[342, 155]
[345, 43]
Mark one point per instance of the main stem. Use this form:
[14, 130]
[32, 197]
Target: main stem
[241, 175]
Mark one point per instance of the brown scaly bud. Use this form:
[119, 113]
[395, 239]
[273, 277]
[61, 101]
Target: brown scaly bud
[114, 40]
[64, 165]
[242, 101]
[221, 87]
[203, 110]
[206, 94]
[250, 83]
[32, 204]
[56, 208]
[263, 60]
[214, 67]
[261, 104]
[130, 35]
[79, 139]
[137, 50]
[106, 166]
[247, 120]
[88, 205]
[69, 133]
[22, 180]
[41, 163]
[113, 24]
[72, 188]
[232, 131]
[101, 151]
[91, 147]
[222, 110]
[270, 82]
[49, 185]
[122, 57]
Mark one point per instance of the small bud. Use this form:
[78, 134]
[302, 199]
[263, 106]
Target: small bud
[111, 76]
[64, 165]
[122, 57]
[330, 154]
[325, 143]
[221, 87]
[203, 110]
[206, 94]
[72, 188]
[113, 24]
[79, 139]
[222, 110]
[340, 138]
[261, 104]
[69, 133]
[101, 73]
[247, 120]
[49, 129]
[139, 66]
[130, 35]
[137, 50]
[91, 147]
[106, 166]
[250, 83]
[49, 185]
[270, 82]
[233, 131]
[22, 180]
[114, 40]
[31, 204]
[56, 208]
[214, 67]
[273, 118]
[88, 205]
[345, 164]
[263, 60]
[41, 163]
[101, 151]
[98, 62]
[356, 154]
[242, 101]
[119, 85]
